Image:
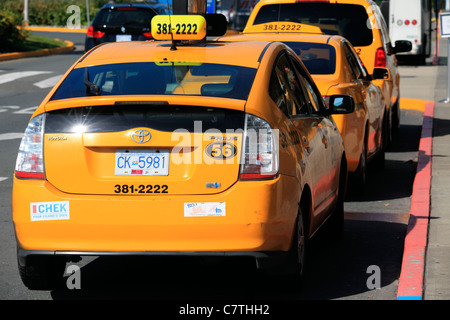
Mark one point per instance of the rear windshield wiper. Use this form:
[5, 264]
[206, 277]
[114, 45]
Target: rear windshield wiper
[90, 86]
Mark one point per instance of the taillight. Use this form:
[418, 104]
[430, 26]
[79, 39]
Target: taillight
[94, 34]
[147, 34]
[414, 22]
[407, 22]
[380, 58]
[260, 150]
[30, 160]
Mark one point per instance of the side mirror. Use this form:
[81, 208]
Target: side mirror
[402, 46]
[341, 104]
[381, 74]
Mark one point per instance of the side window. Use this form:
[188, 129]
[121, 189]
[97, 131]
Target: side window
[293, 101]
[313, 94]
[276, 92]
[352, 62]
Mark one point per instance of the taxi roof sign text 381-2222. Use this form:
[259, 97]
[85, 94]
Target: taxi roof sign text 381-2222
[178, 27]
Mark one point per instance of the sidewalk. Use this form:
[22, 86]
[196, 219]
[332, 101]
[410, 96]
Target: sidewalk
[425, 271]
[437, 264]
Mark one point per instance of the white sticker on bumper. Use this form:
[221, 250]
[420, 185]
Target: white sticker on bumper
[204, 209]
[45, 211]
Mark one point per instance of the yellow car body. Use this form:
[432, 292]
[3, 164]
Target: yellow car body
[75, 191]
[336, 69]
[361, 22]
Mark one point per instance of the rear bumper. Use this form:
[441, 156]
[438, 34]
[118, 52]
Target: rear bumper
[259, 217]
[263, 259]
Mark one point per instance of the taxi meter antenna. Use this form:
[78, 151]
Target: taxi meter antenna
[173, 47]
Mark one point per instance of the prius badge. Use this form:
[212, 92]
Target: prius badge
[141, 136]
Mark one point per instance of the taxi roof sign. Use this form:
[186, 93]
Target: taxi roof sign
[178, 27]
[282, 27]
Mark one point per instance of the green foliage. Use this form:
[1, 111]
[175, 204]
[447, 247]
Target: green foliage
[54, 12]
[11, 36]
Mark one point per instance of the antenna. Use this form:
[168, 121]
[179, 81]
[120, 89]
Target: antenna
[173, 47]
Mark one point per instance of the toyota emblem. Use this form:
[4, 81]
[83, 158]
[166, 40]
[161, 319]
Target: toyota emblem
[141, 136]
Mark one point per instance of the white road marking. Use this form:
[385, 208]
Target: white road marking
[29, 110]
[4, 78]
[6, 108]
[3, 178]
[11, 136]
[48, 83]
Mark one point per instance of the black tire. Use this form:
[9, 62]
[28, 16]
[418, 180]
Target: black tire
[42, 272]
[360, 175]
[297, 254]
[396, 116]
[380, 158]
[337, 218]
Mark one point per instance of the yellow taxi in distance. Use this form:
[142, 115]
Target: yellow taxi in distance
[336, 69]
[361, 22]
[166, 148]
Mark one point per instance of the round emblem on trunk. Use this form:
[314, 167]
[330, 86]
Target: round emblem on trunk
[141, 136]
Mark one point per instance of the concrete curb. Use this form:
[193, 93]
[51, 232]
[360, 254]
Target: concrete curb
[411, 281]
[38, 53]
[56, 29]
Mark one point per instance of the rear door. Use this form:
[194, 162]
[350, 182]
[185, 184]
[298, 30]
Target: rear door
[311, 133]
[322, 143]
[405, 20]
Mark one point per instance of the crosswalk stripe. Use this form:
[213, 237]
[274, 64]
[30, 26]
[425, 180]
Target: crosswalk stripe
[4, 78]
[47, 83]
[6, 108]
[11, 135]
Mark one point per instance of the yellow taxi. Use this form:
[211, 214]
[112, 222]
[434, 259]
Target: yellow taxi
[336, 69]
[361, 22]
[169, 148]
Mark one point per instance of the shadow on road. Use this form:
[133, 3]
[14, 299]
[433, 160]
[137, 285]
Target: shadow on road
[337, 270]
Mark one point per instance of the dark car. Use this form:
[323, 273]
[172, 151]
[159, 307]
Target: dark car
[123, 22]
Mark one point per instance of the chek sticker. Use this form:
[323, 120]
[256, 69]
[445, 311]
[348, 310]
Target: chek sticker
[204, 209]
[45, 211]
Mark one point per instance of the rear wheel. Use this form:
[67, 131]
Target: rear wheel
[381, 156]
[337, 217]
[297, 254]
[396, 116]
[360, 175]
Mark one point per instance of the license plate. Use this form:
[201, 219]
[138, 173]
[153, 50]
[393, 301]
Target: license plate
[123, 37]
[141, 162]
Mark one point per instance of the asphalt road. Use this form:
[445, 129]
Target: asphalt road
[375, 224]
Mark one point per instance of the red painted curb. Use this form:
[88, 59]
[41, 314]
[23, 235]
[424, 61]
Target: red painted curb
[413, 264]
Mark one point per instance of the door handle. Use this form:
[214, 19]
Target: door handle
[306, 145]
[325, 140]
[324, 137]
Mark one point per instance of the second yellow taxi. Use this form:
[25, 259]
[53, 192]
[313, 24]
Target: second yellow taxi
[336, 69]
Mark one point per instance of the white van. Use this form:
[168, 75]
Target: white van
[411, 20]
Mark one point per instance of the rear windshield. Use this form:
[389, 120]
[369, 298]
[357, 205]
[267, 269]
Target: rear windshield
[318, 58]
[168, 118]
[347, 20]
[148, 78]
[124, 16]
